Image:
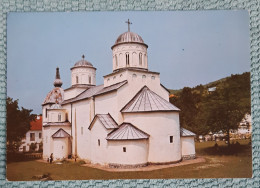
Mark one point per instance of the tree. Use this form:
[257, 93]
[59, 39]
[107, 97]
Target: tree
[18, 123]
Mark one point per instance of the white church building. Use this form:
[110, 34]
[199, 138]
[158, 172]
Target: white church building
[126, 122]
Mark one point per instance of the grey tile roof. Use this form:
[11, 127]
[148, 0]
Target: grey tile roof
[111, 88]
[185, 132]
[94, 91]
[127, 131]
[146, 101]
[57, 124]
[60, 134]
[106, 119]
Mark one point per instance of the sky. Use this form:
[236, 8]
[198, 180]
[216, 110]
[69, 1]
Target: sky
[188, 48]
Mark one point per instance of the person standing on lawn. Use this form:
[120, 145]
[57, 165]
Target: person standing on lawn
[51, 158]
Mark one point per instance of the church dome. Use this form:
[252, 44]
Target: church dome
[129, 37]
[83, 63]
[56, 95]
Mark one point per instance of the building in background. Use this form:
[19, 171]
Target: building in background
[33, 136]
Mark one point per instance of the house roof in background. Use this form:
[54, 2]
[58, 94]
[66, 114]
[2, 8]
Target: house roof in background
[36, 125]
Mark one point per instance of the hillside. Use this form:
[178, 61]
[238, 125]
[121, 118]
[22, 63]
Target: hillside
[218, 105]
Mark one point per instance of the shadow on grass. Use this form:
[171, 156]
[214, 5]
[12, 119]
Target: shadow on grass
[232, 149]
[18, 157]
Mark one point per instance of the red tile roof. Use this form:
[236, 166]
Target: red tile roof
[37, 124]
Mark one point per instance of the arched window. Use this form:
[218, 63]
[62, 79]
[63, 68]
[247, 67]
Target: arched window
[89, 79]
[116, 61]
[46, 112]
[77, 79]
[143, 78]
[127, 59]
[153, 77]
[59, 117]
[140, 58]
[134, 76]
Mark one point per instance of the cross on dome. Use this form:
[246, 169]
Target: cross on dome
[128, 22]
[83, 56]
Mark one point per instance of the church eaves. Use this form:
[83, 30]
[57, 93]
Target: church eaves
[106, 120]
[148, 101]
[60, 134]
[185, 132]
[127, 131]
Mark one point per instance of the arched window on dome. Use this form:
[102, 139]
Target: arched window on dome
[127, 59]
[89, 79]
[134, 76]
[140, 58]
[77, 79]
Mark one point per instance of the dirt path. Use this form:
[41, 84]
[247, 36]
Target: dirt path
[147, 168]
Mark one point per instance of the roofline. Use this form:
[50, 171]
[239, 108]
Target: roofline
[43, 104]
[113, 89]
[77, 96]
[165, 88]
[131, 125]
[96, 116]
[129, 43]
[68, 124]
[58, 131]
[153, 111]
[148, 111]
[75, 86]
[130, 69]
[126, 139]
[83, 67]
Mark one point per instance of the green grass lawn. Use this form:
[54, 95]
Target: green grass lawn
[219, 163]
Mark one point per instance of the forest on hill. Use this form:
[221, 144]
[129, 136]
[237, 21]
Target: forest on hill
[219, 105]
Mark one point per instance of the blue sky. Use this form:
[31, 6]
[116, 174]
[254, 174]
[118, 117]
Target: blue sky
[188, 48]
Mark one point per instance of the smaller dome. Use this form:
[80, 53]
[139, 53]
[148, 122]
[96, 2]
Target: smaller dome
[56, 106]
[56, 95]
[83, 63]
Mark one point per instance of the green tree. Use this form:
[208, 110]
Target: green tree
[18, 123]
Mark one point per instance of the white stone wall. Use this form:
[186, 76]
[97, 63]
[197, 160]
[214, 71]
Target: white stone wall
[83, 75]
[136, 152]
[48, 145]
[53, 115]
[160, 126]
[134, 51]
[60, 148]
[99, 153]
[187, 145]
[45, 113]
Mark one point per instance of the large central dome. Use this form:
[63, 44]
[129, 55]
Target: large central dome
[129, 37]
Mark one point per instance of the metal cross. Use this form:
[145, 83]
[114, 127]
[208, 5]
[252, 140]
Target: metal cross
[128, 22]
[83, 56]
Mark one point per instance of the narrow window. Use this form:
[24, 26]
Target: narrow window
[89, 79]
[98, 142]
[46, 112]
[124, 149]
[116, 61]
[32, 137]
[140, 58]
[59, 117]
[171, 139]
[127, 58]
[81, 130]
[77, 79]
[40, 135]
